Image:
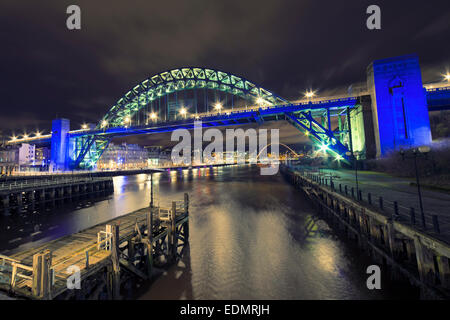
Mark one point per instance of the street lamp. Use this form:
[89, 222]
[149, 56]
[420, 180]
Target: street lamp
[153, 116]
[309, 94]
[183, 112]
[420, 150]
[104, 123]
[218, 106]
[84, 126]
[259, 101]
[447, 77]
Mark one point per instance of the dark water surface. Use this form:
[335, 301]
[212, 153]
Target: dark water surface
[248, 237]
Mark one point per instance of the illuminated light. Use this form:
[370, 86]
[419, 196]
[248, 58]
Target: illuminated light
[153, 116]
[447, 77]
[323, 148]
[127, 119]
[218, 106]
[183, 111]
[306, 133]
[310, 94]
[25, 136]
[260, 101]
[338, 157]
[84, 126]
[13, 138]
[38, 134]
[104, 123]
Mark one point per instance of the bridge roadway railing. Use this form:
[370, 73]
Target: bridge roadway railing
[391, 209]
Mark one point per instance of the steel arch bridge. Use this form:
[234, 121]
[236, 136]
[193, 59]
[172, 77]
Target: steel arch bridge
[172, 81]
[133, 113]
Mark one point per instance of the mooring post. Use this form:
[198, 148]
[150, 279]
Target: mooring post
[395, 209]
[115, 272]
[42, 278]
[436, 224]
[37, 275]
[186, 212]
[413, 216]
[150, 241]
[173, 235]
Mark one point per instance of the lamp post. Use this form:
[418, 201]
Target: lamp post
[355, 163]
[420, 150]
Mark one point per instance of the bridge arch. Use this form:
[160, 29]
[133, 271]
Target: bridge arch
[180, 79]
[279, 143]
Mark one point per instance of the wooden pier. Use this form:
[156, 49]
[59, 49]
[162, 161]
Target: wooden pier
[102, 262]
[397, 246]
[19, 195]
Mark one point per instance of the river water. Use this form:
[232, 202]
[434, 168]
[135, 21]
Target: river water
[249, 238]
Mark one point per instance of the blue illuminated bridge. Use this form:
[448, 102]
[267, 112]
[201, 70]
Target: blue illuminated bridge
[391, 113]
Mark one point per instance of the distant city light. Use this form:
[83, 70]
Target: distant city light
[13, 138]
[127, 119]
[218, 106]
[25, 136]
[153, 116]
[104, 123]
[38, 134]
[447, 77]
[183, 111]
[84, 126]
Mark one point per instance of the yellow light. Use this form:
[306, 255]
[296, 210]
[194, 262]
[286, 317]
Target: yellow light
[218, 106]
[447, 76]
[127, 119]
[13, 138]
[104, 123]
[309, 94]
[84, 126]
[338, 157]
[38, 134]
[260, 101]
[25, 136]
[183, 111]
[153, 115]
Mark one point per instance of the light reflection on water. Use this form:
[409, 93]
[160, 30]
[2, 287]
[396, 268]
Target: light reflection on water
[248, 237]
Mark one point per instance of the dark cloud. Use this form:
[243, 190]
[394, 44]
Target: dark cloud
[286, 46]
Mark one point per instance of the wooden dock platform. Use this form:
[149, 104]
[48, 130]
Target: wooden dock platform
[97, 263]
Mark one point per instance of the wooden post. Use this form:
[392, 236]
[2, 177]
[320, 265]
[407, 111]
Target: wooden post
[173, 236]
[149, 241]
[37, 274]
[42, 277]
[186, 212]
[46, 275]
[115, 272]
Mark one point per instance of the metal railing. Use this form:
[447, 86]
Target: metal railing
[392, 209]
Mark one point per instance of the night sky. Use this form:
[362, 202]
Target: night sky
[287, 47]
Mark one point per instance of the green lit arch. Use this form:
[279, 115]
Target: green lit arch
[167, 82]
